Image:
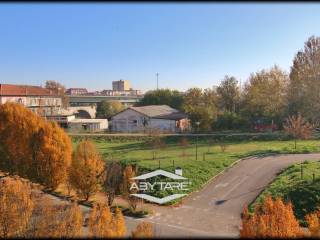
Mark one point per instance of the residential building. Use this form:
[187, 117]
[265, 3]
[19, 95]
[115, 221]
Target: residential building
[77, 91]
[140, 119]
[40, 100]
[130, 92]
[121, 85]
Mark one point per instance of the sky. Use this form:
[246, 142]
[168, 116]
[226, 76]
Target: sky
[189, 44]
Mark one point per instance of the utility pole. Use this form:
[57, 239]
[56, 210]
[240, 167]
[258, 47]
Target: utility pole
[157, 74]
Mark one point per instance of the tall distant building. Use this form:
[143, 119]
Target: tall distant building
[121, 85]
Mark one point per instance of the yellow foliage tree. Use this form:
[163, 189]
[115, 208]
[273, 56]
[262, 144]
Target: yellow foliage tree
[119, 224]
[143, 230]
[87, 172]
[298, 128]
[53, 155]
[128, 173]
[56, 221]
[16, 207]
[100, 222]
[33, 147]
[313, 220]
[272, 219]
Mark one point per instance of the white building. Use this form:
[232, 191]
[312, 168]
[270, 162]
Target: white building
[140, 119]
[79, 124]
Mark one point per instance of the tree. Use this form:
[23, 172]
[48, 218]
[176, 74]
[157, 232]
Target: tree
[88, 170]
[102, 224]
[172, 98]
[128, 173]
[33, 147]
[52, 148]
[313, 220]
[304, 85]
[298, 128]
[228, 94]
[230, 121]
[113, 181]
[272, 219]
[264, 95]
[56, 221]
[201, 106]
[106, 109]
[59, 89]
[143, 230]
[16, 207]
[119, 224]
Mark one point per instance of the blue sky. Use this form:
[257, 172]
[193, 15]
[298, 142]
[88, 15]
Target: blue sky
[90, 45]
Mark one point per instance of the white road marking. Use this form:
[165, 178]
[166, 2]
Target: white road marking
[234, 187]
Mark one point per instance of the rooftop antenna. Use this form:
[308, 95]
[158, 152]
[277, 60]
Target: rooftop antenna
[157, 74]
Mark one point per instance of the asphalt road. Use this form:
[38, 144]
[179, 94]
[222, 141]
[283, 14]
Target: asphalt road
[215, 210]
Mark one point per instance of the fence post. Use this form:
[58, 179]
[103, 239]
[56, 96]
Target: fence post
[173, 164]
[313, 177]
[159, 163]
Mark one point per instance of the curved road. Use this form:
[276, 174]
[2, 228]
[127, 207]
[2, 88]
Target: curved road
[215, 210]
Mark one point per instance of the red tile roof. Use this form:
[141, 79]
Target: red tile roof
[23, 90]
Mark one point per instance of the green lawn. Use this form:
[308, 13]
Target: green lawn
[304, 193]
[198, 171]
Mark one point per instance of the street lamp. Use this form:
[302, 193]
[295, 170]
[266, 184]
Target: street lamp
[197, 123]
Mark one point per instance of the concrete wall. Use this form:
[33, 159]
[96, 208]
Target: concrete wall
[82, 125]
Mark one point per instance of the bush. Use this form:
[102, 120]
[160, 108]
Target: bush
[230, 121]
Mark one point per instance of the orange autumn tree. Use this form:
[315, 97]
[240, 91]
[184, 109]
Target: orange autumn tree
[16, 207]
[128, 173]
[32, 147]
[119, 224]
[143, 230]
[298, 128]
[272, 219]
[313, 220]
[87, 171]
[53, 155]
[56, 221]
[102, 224]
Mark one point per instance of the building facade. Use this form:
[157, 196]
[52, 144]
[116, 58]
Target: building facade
[40, 100]
[77, 91]
[121, 85]
[153, 117]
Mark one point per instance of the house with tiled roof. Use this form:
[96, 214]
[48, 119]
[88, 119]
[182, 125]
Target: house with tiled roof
[140, 119]
[40, 100]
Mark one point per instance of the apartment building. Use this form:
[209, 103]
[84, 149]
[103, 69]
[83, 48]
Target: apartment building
[40, 100]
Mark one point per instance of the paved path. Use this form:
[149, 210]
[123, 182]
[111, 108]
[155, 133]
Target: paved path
[215, 210]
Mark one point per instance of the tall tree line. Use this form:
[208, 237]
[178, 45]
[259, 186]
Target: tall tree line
[268, 95]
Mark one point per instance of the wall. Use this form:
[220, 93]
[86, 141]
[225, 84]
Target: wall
[128, 121]
[132, 121]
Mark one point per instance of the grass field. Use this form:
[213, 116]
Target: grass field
[304, 193]
[201, 170]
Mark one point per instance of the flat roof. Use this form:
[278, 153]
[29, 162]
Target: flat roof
[84, 120]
